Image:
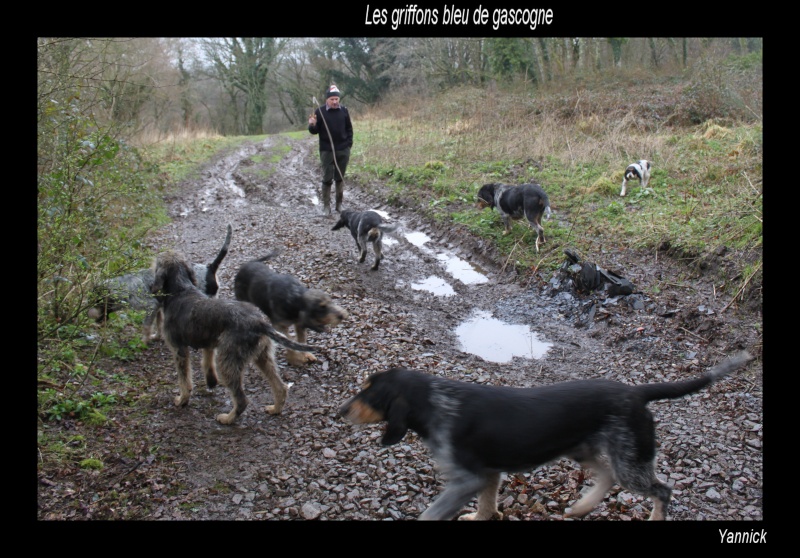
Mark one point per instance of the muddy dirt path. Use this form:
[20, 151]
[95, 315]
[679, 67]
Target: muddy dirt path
[436, 304]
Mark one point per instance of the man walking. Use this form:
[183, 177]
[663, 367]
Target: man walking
[332, 124]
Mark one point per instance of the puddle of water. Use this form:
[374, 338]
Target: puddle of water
[455, 266]
[417, 238]
[435, 285]
[497, 341]
[462, 270]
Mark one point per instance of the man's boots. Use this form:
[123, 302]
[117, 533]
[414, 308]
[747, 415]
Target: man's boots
[326, 199]
[339, 196]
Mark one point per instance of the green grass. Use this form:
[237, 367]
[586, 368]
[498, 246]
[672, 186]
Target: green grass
[705, 189]
[181, 159]
[276, 153]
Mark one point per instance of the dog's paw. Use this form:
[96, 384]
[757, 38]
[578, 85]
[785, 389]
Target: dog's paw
[226, 418]
[300, 359]
[148, 336]
[181, 401]
[273, 409]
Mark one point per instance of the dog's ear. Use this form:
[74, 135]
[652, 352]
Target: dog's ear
[189, 270]
[486, 195]
[396, 422]
[158, 280]
[339, 224]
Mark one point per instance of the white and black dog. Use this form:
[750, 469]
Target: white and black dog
[514, 202]
[134, 291]
[640, 170]
[366, 227]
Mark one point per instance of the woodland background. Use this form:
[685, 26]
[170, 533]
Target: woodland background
[257, 85]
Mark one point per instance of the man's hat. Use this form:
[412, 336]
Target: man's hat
[333, 91]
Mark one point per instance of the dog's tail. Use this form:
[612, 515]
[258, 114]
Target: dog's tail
[376, 231]
[268, 257]
[547, 211]
[673, 390]
[281, 339]
[389, 228]
[213, 266]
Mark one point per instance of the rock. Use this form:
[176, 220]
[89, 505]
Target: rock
[311, 510]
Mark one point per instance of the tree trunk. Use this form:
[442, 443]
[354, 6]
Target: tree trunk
[544, 59]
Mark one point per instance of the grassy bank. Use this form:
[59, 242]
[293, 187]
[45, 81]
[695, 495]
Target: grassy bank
[705, 191]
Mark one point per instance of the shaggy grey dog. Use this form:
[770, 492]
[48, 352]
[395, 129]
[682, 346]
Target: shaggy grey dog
[134, 291]
[287, 302]
[230, 334]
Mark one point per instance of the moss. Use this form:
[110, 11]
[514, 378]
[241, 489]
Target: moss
[90, 463]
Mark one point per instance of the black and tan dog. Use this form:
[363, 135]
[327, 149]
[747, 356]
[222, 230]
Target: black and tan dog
[287, 302]
[366, 227]
[514, 202]
[134, 291]
[476, 432]
[230, 333]
[640, 170]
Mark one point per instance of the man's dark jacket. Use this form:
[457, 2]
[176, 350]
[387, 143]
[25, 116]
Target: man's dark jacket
[339, 124]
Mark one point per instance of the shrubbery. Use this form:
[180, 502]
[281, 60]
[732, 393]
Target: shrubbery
[96, 201]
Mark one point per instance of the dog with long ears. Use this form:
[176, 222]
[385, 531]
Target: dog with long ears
[367, 227]
[514, 202]
[640, 170]
[287, 302]
[476, 432]
[134, 291]
[230, 334]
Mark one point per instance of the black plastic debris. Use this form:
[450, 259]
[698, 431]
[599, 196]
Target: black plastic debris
[617, 285]
[588, 276]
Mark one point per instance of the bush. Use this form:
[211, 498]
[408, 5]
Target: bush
[702, 101]
[729, 91]
[97, 200]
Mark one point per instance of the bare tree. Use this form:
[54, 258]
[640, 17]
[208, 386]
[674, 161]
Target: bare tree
[616, 49]
[295, 80]
[543, 59]
[243, 64]
[451, 61]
